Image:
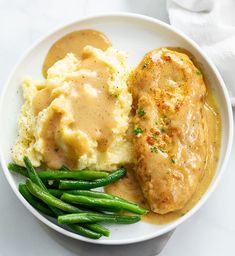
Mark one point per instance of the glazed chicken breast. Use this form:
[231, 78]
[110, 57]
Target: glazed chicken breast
[169, 128]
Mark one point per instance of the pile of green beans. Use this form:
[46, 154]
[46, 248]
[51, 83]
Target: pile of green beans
[71, 201]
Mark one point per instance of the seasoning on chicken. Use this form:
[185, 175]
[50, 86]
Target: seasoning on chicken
[169, 128]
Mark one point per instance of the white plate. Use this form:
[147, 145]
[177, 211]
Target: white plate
[136, 35]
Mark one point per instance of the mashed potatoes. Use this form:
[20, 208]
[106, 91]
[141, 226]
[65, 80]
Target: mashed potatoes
[79, 115]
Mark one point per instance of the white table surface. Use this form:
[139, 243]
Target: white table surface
[211, 231]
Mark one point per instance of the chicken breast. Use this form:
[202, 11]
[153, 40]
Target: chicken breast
[169, 128]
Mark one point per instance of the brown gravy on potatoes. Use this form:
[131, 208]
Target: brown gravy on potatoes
[74, 42]
[129, 189]
[82, 108]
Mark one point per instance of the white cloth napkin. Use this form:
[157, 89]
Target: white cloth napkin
[210, 23]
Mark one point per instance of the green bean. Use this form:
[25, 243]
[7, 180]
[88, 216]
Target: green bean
[34, 202]
[98, 228]
[96, 194]
[61, 174]
[33, 174]
[93, 231]
[91, 193]
[50, 199]
[82, 230]
[77, 175]
[101, 202]
[21, 170]
[97, 217]
[58, 193]
[18, 169]
[114, 176]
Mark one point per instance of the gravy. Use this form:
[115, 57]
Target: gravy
[74, 42]
[81, 111]
[86, 107]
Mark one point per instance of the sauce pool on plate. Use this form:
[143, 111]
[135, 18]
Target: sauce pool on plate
[74, 42]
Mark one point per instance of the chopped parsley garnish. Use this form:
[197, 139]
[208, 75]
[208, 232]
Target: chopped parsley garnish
[168, 172]
[181, 59]
[146, 64]
[154, 149]
[154, 136]
[156, 123]
[198, 72]
[138, 130]
[163, 130]
[141, 112]
[173, 161]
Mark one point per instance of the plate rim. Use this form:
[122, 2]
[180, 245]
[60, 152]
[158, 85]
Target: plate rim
[210, 189]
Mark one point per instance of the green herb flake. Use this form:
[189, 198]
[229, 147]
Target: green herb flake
[168, 172]
[138, 130]
[163, 130]
[156, 123]
[154, 149]
[146, 64]
[154, 136]
[181, 59]
[141, 112]
[198, 72]
[172, 161]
